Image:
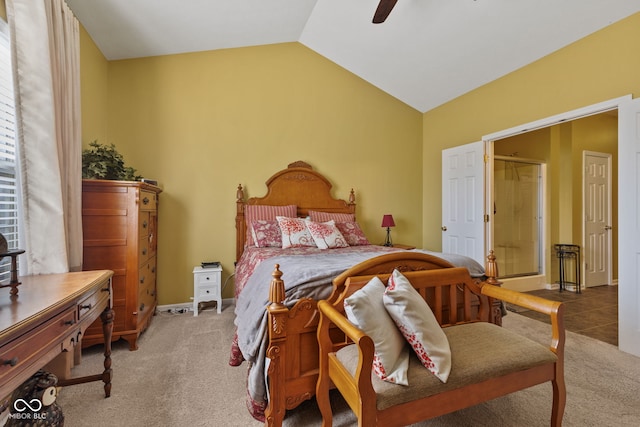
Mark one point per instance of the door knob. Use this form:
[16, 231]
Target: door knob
[607, 227]
[443, 228]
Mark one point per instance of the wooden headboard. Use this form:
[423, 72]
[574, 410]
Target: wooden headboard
[298, 185]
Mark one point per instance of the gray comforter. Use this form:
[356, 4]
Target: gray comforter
[304, 277]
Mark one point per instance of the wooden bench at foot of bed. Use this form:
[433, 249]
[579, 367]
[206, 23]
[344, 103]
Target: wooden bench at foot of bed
[293, 346]
[487, 361]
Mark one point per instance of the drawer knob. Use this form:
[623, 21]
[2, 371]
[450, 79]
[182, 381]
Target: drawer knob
[144, 251]
[11, 362]
[144, 224]
[142, 279]
[208, 291]
[86, 306]
[145, 201]
[69, 322]
[142, 307]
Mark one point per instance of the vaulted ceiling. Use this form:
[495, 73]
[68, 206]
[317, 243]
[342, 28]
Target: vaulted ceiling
[426, 53]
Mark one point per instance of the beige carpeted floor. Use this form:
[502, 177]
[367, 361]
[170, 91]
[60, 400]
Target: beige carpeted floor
[180, 377]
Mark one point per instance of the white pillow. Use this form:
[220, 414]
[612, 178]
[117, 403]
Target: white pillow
[419, 326]
[326, 235]
[294, 232]
[365, 310]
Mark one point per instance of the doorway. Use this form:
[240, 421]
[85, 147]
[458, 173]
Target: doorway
[517, 214]
[597, 218]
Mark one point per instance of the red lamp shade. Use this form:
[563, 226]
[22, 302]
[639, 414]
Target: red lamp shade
[387, 221]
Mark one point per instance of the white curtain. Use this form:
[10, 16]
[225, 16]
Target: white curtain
[45, 48]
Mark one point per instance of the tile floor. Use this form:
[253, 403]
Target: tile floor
[593, 313]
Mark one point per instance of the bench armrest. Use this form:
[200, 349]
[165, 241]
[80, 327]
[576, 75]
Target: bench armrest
[554, 309]
[331, 370]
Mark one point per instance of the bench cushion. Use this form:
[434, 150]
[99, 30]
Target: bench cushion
[479, 351]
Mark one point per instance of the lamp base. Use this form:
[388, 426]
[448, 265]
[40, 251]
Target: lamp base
[388, 241]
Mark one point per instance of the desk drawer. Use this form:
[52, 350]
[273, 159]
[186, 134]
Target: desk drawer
[25, 350]
[90, 308]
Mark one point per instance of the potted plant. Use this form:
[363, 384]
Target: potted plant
[105, 162]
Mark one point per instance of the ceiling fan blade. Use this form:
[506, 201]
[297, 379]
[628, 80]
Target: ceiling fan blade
[383, 10]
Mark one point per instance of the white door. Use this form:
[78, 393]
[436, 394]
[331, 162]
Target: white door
[629, 225]
[597, 219]
[463, 201]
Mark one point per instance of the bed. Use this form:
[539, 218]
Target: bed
[276, 325]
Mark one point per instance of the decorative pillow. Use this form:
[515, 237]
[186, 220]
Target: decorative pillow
[266, 233]
[352, 233]
[266, 212]
[318, 216]
[365, 310]
[294, 232]
[419, 326]
[326, 235]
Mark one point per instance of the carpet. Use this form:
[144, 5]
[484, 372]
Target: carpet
[180, 376]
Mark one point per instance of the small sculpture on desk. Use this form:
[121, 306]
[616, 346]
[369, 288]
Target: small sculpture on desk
[34, 403]
[13, 253]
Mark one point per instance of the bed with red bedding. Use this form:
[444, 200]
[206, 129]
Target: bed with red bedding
[276, 324]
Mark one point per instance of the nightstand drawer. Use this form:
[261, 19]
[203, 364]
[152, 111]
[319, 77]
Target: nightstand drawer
[211, 292]
[207, 279]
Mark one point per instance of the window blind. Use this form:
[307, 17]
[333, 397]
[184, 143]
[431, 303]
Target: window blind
[8, 183]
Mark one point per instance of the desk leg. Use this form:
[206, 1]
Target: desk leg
[107, 330]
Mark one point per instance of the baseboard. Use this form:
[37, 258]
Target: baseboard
[186, 307]
[175, 308]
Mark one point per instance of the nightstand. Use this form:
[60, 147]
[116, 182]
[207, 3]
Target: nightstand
[401, 246]
[207, 287]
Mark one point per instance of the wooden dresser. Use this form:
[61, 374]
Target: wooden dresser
[119, 224]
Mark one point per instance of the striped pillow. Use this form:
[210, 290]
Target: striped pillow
[318, 216]
[264, 212]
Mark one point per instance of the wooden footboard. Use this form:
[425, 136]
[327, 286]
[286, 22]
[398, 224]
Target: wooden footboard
[293, 346]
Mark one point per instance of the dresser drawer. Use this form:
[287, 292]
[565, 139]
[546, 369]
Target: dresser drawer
[143, 250]
[147, 275]
[25, 350]
[148, 201]
[143, 224]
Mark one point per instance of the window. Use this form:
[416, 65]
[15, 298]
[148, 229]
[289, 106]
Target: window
[8, 183]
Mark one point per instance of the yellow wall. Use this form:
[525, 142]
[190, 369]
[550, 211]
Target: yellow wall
[93, 90]
[201, 123]
[602, 66]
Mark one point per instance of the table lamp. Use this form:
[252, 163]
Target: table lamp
[387, 221]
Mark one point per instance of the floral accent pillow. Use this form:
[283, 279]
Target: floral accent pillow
[319, 216]
[352, 233]
[294, 232]
[266, 212]
[326, 235]
[418, 325]
[266, 233]
[365, 309]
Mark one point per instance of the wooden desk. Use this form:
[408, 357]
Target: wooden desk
[48, 317]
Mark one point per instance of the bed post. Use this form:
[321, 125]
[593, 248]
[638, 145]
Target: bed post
[241, 226]
[491, 271]
[277, 314]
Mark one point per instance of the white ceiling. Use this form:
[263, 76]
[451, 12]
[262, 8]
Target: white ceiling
[427, 52]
